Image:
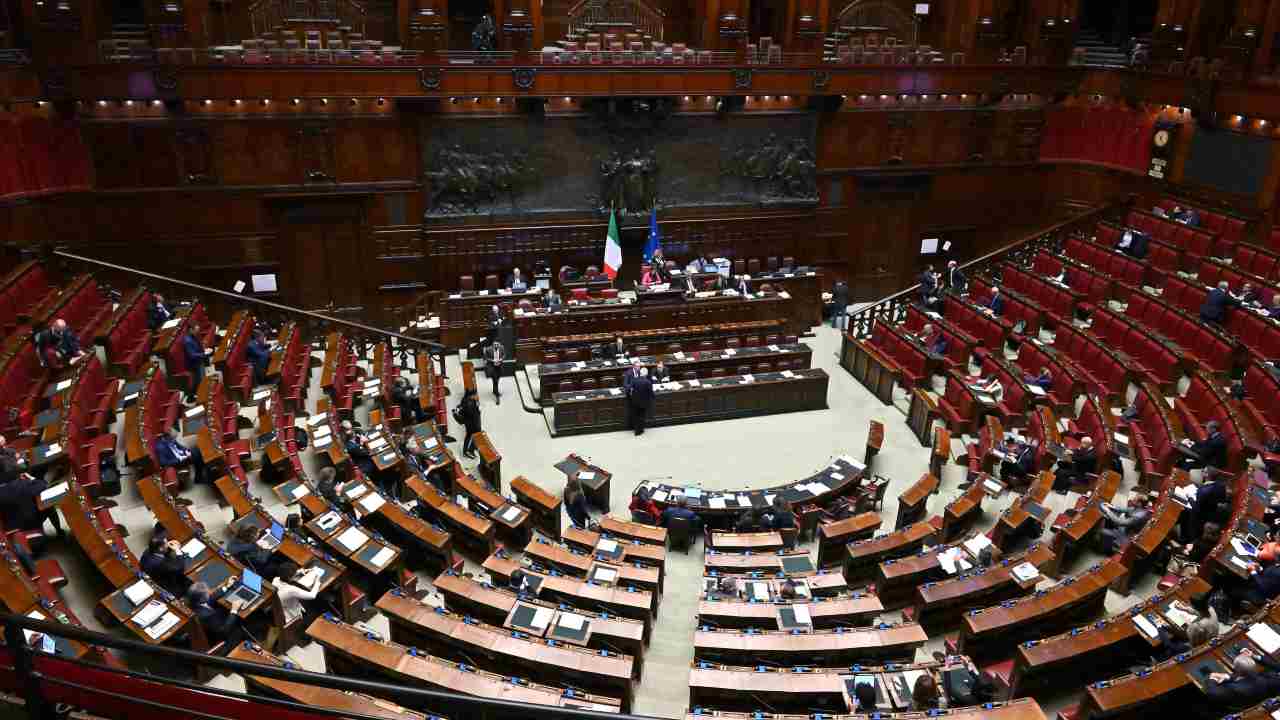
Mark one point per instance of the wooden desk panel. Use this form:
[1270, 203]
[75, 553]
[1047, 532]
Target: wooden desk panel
[1020, 709]
[634, 531]
[943, 602]
[627, 602]
[863, 556]
[834, 536]
[913, 501]
[746, 542]
[544, 506]
[856, 609]
[821, 647]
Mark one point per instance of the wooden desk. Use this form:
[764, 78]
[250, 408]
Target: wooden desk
[840, 611]
[625, 601]
[755, 542]
[414, 622]
[594, 479]
[313, 695]
[1095, 650]
[875, 440]
[994, 631]
[510, 521]
[941, 454]
[1071, 533]
[349, 650]
[863, 556]
[794, 563]
[1140, 552]
[638, 532]
[493, 604]
[1020, 709]
[820, 647]
[961, 512]
[912, 502]
[721, 398]
[617, 550]
[942, 603]
[1026, 510]
[833, 536]
[365, 551]
[920, 415]
[469, 376]
[896, 578]
[425, 544]
[471, 531]
[490, 460]
[542, 505]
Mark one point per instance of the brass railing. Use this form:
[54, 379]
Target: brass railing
[893, 309]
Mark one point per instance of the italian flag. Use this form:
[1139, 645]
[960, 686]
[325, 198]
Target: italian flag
[612, 249]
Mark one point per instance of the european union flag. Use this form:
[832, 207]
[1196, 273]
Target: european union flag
[654, 244]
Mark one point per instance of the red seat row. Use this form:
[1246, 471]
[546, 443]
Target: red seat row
[84, 307]
[1262, 400]
[1212, 272]
[1229, 229]
[1097, 287]
[1150, 357]
[1193, 241]
[1103, 372]
[1092, 422]
[92, 403]
[1055, 301]
[22, 381]
[1187, 295]
[1151, 436]
[960, 344]
[910, 359]
[1206, 345]
[128, 337]
[1016, 308]
[237, 373]
[21, 290]
[1259, 334]
[291, 365]
[990, 331]
[174, 357]
[1106, 262]
[1258, 261]
[221, 413]
[959, 405]
[159, 407]
[978, 451]
[386, 371]
[1203, 402]
[344, 377]
[1013, 403]
[1032, 358]
[1159, 253]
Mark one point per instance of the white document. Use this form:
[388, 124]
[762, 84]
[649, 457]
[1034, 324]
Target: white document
[694, 383]
[836, 476]
[615, 391]
[947, 560]
[541, 617]
[382, 557]
[300, 492]
[606, 575]
[571, 621]
[197, 410]
[976, 544]
[463, 501]
[607, 546]
[730, 352]
[329, 521]
[775, 348]
[150, 613]
[580, 364]
[1240, 563]
[760, 591]
[1035, 389]
[138, 592]
[355, 490]
[62, 386]
[430, 443]
[52, 450]
[788, 374]
[53, 491]
[749, 378]
[317, 419]
[1242, 548]
[1146, 626]
[1026, 571]
[378, 444]
[389, 458]
[659, 496]
[1122, 438]
[510, 514]
[164, 625]
[193, 548]
[1264, 637]
[992, 487]
[802, 614]
[678, 356]
[587, 475]
[484, 292]
[768, 499]
[129, 398]
[171, 324]
[322, 431]
[372, 502]
[353, 538]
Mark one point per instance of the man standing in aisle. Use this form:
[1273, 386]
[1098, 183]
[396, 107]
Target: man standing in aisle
[640, 400]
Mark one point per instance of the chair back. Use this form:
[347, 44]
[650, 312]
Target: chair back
[680, 531]
[643, 516]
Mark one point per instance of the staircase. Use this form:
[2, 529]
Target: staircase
[831, 43]
[1097, 52]
[128, 42]
[632, 19]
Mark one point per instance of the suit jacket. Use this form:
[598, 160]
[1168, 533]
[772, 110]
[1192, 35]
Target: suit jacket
[1240, 692]
[18, 503]
[996, 304]
[675, 511]
[217, 623]
[659, 376]
[642, 393]
[1212, 450]
[552, 301]
[1215, 305]
[928, 283]
[1191, 218]
[1026, 461]
[157, 315]
[938, 346]
[956, 280]
[166, 569]
[192, 351]
[169, 452]
[1084, 461]
[629, 378]
[258, 354]
[1044, 382]
[66, 345]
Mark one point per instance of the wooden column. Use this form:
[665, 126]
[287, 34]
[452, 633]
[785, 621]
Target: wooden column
[1270, 26]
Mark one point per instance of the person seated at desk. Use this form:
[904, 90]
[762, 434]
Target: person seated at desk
[19, 500]
[162, 562]
[219, 625]
[327, 485]
[742, 284]
[1262, 586]
[1044, 380]
[1273, 312]
[924, 694]
[59, 347]
[517, 284]
[660, 374]
[1122, 524]
[788, 591]
[1199, 632]
[1249, 295]
[552, 300]
[468, 414]
[1133, 243]
[1189, 216]
[575, 504]
[783, 517]
[1019, 462]
[1211, 451]
[195, 356]
[995, 304]
[258, 353]
[1083, 461]
[641, 502]
[406, 398]
[650, 275]
[615, 349]
[1254, 677]
[295, 588]
[158, 313]
[1199, 549]
[748, 521]
[569, 274]
[244, 548]
[680, 510]
[172, 454]
[518, 581]
[354, 444]
[632, 374]
[1217, 303]
[934, 340]
[864, 695]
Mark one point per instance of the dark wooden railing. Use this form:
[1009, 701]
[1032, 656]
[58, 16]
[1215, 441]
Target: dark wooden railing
[893, 309]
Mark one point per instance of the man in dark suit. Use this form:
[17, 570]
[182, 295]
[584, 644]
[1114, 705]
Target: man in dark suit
[406, 398]
[1044, 380]
[639, 401]
[1274, 311]
[258, 353]
[660, 373]
[928, 286]
[630, 375]
[19, 494]
[158, 313]
[839, 304]
[493, 366]
[1121, 524]
[1212, 450]
[60, 346]
[1217, 303]
[956, 280]
[1191, 217]
[615, 349]
[1083, 461]
[679, 510]
[1019, 461]
[219, 625]
[934, 339]
[996, 303]
[1208, 503]
[1249, 295]
[1133, 243]
[170, 453]
[552, 300]
[356, 450]
[194, 355]
[1254, 677]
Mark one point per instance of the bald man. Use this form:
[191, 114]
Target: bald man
[60, 346]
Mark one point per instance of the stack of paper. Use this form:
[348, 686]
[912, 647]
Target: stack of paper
[353, 538]
[586, 475]
[1026, 571]
[802, 614]
[570, 621]
[300, 491]
[976, 544]
[541, 618]
[788, 374]
[382, 557]
[138, 592]
[760, 591]
[607, 546]
[1147, 627]
[193, 548]
[606, 575]
[52, 492]
[162, 626]
[510, 513]
[1265, 637]
[149, 614]
[372, 502]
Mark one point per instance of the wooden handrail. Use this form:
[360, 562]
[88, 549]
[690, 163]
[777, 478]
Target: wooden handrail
[893, 307]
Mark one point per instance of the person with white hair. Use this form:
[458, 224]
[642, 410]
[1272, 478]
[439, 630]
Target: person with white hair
[1254, 677]
[1217, 303]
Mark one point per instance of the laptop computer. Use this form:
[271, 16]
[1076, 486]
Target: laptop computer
[271, 540]
[249, 588]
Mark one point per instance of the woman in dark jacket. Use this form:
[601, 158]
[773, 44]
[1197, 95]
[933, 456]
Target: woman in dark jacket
[469, 415]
